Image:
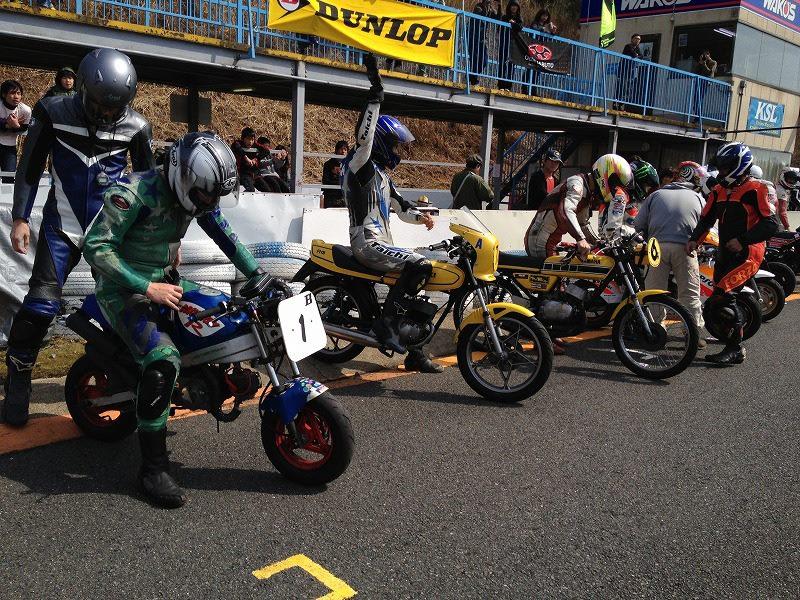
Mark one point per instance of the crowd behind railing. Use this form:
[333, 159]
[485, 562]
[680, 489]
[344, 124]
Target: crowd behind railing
[486, 43]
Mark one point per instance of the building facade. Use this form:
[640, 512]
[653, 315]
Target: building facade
[756, 45]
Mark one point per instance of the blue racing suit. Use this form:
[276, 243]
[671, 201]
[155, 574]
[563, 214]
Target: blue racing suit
[84, 161]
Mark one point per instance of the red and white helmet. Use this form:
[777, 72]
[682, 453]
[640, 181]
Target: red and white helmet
[691, 172]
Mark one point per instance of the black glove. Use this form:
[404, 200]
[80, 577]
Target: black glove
[376, 87]
[516, 26]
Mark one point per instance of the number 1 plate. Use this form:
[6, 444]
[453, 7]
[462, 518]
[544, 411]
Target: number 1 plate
[301, 325]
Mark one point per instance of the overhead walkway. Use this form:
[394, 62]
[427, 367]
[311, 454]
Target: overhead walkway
[212, 45]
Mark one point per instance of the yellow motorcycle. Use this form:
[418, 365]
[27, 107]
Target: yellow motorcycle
[653, 335]
[504, 353]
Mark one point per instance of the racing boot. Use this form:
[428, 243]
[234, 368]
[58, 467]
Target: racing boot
[17, 388]
[730, 355]
[385, 329]
[418, 361]
[154, 478]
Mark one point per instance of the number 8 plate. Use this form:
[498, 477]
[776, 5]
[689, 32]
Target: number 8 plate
[301, 326]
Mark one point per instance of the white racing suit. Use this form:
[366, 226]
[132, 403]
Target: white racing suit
[370, 196]
[779, 197]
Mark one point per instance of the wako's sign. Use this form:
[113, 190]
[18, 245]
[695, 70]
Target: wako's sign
[764, 114]
[590, 9]
[783, 12]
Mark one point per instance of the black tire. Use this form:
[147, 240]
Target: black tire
[772, 298]
[784, 275]
[619, 331]
[466, 339]
[498, 291]
[752, 317]
[333, 422]
[110, 425]
[358, 301]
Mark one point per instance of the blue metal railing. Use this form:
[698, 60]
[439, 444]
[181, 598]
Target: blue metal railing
[587, 76]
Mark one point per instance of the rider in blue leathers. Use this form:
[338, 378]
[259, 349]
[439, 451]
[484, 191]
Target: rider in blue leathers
[88, 138]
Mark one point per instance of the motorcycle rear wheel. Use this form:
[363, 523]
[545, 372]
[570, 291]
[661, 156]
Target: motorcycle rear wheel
[328, 442]
[339, 304]
[675, 340]
[772, 298]
[86, 381]
[785, 276]
[530, 353]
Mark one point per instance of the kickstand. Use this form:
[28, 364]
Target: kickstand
[387, 353]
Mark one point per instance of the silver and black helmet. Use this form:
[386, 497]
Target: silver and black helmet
[201, 170]
[106, 84]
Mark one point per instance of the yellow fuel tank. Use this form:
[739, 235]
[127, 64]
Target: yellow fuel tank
[594, 267]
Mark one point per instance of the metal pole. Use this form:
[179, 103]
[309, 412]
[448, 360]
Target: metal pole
[298, 130]
[613, 138]
[705, 151]
[486, 141]
[193, 109]
[497, 182]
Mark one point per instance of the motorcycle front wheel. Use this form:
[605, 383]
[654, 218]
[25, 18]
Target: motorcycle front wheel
[86, 382]
[671, 345]
[772, 298]
[524, 370]
[467, 299]
[326, 446]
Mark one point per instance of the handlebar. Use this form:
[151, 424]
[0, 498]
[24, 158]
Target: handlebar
[440, 246]
[209, 312]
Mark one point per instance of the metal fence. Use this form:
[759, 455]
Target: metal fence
[587, 75]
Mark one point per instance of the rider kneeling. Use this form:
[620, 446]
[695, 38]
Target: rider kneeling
[132, 246]
[370, 195]
[742, 206]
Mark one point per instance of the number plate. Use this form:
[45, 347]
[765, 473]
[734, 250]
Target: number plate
[301, 326]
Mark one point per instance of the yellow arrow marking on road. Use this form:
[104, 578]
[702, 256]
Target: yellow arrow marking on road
[339, 589]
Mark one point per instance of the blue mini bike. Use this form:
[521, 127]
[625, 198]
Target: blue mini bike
[305, 431]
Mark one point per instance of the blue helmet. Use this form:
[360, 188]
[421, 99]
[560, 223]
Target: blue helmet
[388, 133]
[733, 162]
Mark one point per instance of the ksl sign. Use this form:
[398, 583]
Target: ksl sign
[763, 114]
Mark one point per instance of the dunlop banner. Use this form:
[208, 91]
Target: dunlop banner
[404, 31]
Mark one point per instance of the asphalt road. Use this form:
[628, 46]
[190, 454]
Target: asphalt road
[602, 486]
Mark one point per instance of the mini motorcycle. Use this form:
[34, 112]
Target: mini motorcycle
[504, 353]
[653, 335]
[305, 431]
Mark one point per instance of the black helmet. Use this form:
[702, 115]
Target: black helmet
[106, 85]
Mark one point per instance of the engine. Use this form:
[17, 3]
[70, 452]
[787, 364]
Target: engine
[417, 322]
[562, 314]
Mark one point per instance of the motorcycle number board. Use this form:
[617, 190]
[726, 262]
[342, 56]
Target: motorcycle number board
[301, 326]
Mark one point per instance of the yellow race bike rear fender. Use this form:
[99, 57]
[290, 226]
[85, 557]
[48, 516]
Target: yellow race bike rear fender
[496, 310]
[640, 296]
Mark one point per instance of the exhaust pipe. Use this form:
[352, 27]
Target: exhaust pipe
[352, 335]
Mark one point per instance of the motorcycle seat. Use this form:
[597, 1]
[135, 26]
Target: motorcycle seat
[344, 259]
[513, 259]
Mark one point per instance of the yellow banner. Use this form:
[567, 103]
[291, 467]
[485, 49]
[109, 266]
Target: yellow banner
[394, 29]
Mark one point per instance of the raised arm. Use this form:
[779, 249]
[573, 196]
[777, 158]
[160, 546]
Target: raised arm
[365, 129]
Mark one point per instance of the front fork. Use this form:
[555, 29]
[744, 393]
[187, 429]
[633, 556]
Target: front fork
[632, 285]
[487, 319]
[275, 380]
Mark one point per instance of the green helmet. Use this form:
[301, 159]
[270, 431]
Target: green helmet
[644, 176]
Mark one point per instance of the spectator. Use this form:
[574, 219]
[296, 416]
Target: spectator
[246, 158]
[283, 166]
[513, 15]
[476, 35]
[544, 180]
[268, 179]
[543, 22]
[331, 173]
[628, 73]
[468, 188]
[707, 67]
[15, 117]
[64, 83]
[670, 214]
[666, 176]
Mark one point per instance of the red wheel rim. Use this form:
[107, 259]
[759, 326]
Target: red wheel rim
[92, 385]
[316, 432]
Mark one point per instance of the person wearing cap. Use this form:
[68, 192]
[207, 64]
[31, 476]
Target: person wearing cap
[246, 153]
[64, 83]
[544, 180]
[331, 176]
[470, 189]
